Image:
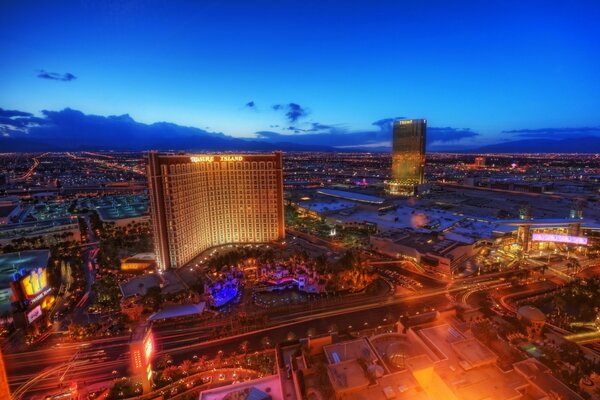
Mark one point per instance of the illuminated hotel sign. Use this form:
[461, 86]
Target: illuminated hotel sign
[197, 159]
[548, 237]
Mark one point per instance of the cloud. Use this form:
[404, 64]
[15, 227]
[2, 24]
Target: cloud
[70, 129]
[15, 122]
[293, 111]
[380, 137]
[66, 77]
[555, 133]
[251, 104]
[448, 134]
[386, 123]
[13, 113]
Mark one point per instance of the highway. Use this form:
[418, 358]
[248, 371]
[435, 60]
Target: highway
[100, 360]
[95, 360]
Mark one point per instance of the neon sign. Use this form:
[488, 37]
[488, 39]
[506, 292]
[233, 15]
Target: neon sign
[148, 347]
[34, 282]
[34, 314]
[41, 295]
[232, 158]
[198, 159]
[548, 237]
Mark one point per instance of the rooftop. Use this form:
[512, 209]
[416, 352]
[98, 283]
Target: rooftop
[268, 384]
[349, 350]
[423, 243]
[348, 375]
[531, 313]
[179, 310]
[139, 285]
[364, 198]
[541, 377]
[12, 262]
[326, 206]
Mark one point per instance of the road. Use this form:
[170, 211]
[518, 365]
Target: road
[94, 361]
[101, 360]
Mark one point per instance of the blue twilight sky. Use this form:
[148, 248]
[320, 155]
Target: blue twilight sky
[489, 66]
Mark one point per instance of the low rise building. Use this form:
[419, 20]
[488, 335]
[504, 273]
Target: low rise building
[138, 262]
[533, 318]
[434, 252]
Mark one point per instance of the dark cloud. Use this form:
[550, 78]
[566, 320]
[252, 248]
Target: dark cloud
[293, 111]
[70, 129]
[555, 133]
[15, 122]
[386, 124]
[448, 134]
[66, 77]
[338, 136]
[13, 113]
[251, 104]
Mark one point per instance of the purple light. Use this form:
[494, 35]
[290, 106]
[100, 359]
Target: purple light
[548, 237]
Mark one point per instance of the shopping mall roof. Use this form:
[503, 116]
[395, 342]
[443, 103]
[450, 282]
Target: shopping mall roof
[13, 262]
[110, 213]
[326, 206]
[179, 310]
[363, 198]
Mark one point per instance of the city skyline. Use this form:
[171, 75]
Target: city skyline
[480, 73]
[273, 200]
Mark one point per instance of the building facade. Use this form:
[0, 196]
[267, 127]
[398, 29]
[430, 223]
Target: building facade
[408, 157]
[201, 201]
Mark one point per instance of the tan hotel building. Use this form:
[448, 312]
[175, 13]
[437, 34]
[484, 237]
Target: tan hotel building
[201, 201]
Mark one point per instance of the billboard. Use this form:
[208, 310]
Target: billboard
[148, 348]
[548, 237]
[34, 314]
[34, 282]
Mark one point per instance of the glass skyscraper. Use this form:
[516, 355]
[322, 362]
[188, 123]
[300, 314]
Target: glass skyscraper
[408, 157]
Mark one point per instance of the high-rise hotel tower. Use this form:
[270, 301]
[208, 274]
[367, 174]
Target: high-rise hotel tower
[201, 201]
[408, 157]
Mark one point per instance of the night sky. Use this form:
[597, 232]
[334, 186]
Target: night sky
[486, 71]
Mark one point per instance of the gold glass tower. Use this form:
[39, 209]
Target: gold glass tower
[408, 157]
[201, 201]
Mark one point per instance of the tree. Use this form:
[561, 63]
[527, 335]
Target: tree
[244, 346]
[186, 367]
[153, 298]
[163, 361]
[266, 342]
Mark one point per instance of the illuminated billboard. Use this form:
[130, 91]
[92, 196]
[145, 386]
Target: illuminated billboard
[34, 314]
[148, 347]
[34, 282]
[548, 237]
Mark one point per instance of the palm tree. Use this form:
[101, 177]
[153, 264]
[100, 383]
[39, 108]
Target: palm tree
[266, 342]
[244, 347]
[186, 367]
